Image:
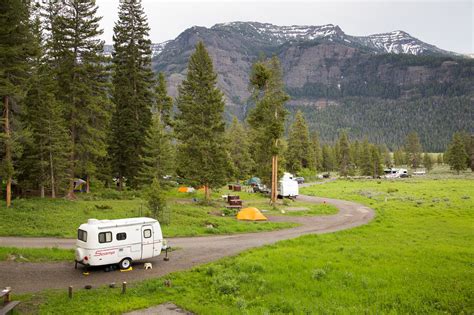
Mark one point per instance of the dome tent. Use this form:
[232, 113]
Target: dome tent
[251, 214]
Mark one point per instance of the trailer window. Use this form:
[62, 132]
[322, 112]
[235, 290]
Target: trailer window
[82, 235]
[105, 237]
[121, 236]
[147, 233]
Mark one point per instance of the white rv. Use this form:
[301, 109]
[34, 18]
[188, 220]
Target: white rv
[105, 242]
[396, 173]
[288, 186]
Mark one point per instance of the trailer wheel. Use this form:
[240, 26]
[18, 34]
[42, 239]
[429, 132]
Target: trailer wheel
[125, 263]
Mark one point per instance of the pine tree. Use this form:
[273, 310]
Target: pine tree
[439, 159]
[239, 150]
[328, 159]
[366, 159]
[75, 56]
[132, 93]
[164, 103]
[267, 119]
[355, 153]
[200, 127]
[300, 154]
[457, 155]
[399, 157]
[427, 162]
[376, 160]
[344, 162]
[413, 150]
[317, 152]
[158, 154]
[387, 159]
[15, 51]
[46, 156]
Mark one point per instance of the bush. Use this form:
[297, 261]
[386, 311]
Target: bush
[156, 200]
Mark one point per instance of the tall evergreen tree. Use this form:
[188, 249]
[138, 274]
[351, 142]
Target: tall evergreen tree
[300, 154]
[413, 149]
[366, 159]
[239, 150]
[317, 152]
[45, 161]
[355, 153]
[267, 119]
[427, 162]
[376, 160]
[158, 159]
[328, 159]
[75, 56]
[200, 127]
[399, 157]
[439, 159]
[15, 51]
[133, 91]
[164, 102]
[344, 162]
[456, 155]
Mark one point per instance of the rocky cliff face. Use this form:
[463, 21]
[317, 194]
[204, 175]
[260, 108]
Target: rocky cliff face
[321, 64]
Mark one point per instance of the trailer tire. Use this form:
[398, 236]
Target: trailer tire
[125, 263]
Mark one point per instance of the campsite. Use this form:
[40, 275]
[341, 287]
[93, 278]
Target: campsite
[222, 157]
[411, 215]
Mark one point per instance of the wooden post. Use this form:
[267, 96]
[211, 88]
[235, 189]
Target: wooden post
[124, 287]
[70, 292]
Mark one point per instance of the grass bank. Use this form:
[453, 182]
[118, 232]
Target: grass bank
[35, 254]
[414, 257]
[37, 217]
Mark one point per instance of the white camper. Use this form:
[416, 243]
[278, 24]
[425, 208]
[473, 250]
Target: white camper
[396, 173]
[105, 242]
[288, 186]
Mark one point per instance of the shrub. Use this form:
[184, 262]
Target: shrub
[156, 200]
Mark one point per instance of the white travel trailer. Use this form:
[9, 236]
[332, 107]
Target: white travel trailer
[105, 242]
[288, 186]
[396, 173]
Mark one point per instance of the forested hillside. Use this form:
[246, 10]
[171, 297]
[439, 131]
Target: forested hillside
[322, 65]
[435, 119]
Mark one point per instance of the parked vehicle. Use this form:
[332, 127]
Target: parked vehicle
[396, 173]
[106, 242]
[288, 186]
[299, 180]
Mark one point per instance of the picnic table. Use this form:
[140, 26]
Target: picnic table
[8, 304]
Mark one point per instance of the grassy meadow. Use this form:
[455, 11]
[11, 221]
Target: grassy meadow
[416, 256]
[188, 216]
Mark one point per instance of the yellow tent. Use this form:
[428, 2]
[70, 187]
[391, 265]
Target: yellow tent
[251, 214]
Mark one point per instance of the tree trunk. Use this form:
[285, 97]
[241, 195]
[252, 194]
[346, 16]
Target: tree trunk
[53, 182]
[8, 152]
[207, 193]
[274, 194]
[88, 184]
[42, 191]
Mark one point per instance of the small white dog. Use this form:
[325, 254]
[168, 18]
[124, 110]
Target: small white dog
[148, 266]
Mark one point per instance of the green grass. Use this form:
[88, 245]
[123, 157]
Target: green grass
[416, 256]
[60, 218]
[35, 254]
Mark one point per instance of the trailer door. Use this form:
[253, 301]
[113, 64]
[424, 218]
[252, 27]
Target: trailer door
[147, 241]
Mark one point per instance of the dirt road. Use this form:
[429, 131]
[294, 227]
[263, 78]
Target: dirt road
[31, 277]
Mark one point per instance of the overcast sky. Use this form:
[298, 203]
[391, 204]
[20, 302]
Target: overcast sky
[446, 24]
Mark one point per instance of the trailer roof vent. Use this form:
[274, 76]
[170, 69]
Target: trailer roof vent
[92, 221]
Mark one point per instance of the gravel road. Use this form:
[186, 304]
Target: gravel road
[31, 277]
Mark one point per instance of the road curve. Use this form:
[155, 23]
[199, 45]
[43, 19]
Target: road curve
[32, 277]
